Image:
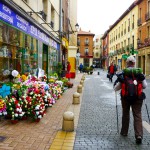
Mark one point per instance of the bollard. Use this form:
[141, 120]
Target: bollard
[83, 78]
[82, 82]
[68, 121]
[98, 73]
[79, 88]
[76, 98]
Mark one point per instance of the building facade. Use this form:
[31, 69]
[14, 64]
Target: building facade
[144, 36]
[97, 51]
[33, 34]
[123, 36]
[105, 50]
[85, 45]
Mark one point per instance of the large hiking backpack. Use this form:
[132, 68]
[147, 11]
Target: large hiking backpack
[131, 89]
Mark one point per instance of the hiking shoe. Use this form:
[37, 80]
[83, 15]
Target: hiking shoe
[138, 140]
[123, 134]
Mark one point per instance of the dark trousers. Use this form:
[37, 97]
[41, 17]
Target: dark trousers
[111, 77]
[137, 117]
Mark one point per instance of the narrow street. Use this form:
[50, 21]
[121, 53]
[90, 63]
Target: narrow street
[97, 126]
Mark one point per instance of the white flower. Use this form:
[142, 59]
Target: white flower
[5, 112]
[20, 110]
[37, 113]
[37, 107]
[17, 109]
[16, 115]
[20, 115]
[40, 116]
[0, 114]
[15, 73]
[6, 72]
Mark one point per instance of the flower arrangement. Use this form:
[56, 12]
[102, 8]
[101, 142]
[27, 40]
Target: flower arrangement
[2, 107]
[14, 108]
[28, 97]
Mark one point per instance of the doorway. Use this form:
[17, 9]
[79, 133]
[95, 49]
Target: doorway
[86, 62]
[143, 64]
[45, 59]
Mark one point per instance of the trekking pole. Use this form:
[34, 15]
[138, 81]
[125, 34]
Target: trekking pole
[147, 110]
[117, 112]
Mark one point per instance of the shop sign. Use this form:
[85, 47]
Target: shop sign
[9, 16]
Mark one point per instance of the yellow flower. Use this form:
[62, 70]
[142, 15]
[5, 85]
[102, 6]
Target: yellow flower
[1, 104]
[18, 76]
[24, 77]
[51, 80]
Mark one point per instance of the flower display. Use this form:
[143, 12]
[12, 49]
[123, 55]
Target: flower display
[28, 97]
[14, 108]
[2, 107]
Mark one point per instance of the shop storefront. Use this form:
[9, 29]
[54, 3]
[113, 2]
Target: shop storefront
[23, 46]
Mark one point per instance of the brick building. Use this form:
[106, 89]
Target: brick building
[144, 36]
[85, 46]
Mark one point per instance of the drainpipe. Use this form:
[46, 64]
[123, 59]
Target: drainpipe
[60, 31]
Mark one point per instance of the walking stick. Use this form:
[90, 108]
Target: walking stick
[117, 112]
[147, 110]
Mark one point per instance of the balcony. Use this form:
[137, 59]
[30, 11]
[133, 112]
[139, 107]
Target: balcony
[86, 43]
[139, 22]
[86, 53]
[147, 16]
[147, 41]
[78, 43]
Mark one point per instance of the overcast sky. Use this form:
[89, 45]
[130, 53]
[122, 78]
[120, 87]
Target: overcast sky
[98, 15]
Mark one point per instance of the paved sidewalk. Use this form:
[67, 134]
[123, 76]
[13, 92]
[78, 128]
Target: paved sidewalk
[28, 135]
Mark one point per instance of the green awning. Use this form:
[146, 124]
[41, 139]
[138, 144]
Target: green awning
[125, 56]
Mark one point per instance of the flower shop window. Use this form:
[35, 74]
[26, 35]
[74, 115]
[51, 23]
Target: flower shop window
[53, 59]
[17, 51]
[30, 55]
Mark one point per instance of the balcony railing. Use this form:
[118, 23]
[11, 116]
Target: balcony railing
[78, 43]
[139, 22]
[86, 53]
[86, 43]
[147, 16]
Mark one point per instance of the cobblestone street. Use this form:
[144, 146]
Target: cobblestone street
[97, 127]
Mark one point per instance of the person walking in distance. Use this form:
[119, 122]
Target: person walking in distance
[68, 69]
[131, 82]
[111, 71]
[81, 67]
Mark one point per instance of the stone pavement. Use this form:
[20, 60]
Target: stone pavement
[28, 135]
[97, 126]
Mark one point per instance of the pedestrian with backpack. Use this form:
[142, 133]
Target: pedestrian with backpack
[111, 71]
[131, 82]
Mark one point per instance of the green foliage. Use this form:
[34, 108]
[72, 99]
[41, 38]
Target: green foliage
[59, 69]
